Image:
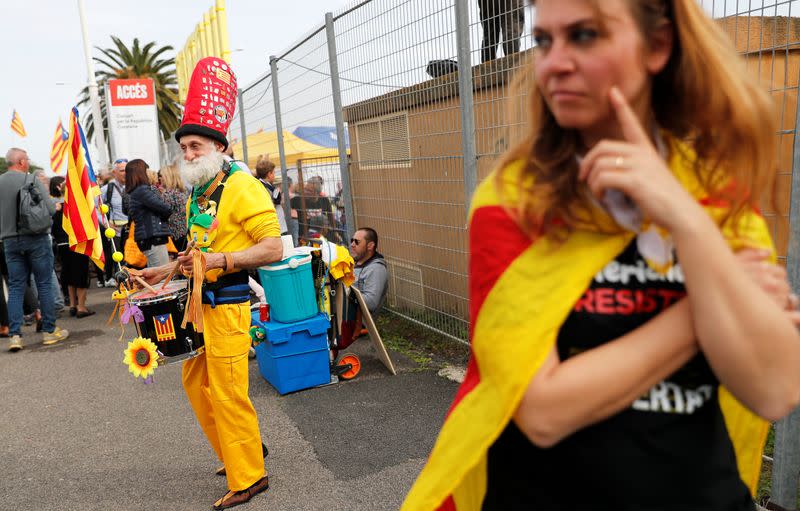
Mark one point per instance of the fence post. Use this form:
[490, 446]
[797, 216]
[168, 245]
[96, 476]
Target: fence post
[276, 98]
[786, 464]
[344, 161]
[465, 92]
[241, 125]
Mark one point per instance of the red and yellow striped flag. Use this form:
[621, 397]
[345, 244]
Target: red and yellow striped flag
[521, 291]
[17, 126]
[80, 211]
[58, 150]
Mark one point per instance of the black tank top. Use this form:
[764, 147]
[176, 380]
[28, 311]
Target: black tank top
[669, 451]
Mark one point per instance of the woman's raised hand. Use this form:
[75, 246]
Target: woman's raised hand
[635, 167]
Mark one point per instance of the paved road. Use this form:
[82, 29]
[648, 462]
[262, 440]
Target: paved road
[77, 432]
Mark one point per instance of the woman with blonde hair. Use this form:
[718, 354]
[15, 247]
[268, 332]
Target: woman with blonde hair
[627, 324]
[175, 195]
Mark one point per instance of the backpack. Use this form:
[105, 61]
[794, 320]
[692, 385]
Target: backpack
[33, 215]
[110, 188]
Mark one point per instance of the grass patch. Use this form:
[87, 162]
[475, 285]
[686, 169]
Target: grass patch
[764, 489]
[427, 348]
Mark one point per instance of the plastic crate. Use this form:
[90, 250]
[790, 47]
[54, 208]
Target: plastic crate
[294, 356]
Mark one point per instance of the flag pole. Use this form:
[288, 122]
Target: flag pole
[93, 95]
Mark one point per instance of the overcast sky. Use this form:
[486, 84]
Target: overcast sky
[43, 46]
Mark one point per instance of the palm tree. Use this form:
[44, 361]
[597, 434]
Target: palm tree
[138, 62]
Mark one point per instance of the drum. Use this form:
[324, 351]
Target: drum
[163, 314]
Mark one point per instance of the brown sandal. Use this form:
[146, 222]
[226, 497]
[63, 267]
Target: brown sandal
[234, 498]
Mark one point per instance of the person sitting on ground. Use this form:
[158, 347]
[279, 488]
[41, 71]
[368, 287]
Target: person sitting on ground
[372, 279]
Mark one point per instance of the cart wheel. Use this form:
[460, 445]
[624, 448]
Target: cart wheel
[355, 367]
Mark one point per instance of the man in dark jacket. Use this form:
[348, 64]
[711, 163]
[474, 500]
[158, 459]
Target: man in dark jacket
[372, 279]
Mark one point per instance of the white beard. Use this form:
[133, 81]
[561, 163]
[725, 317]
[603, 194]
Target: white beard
[202, 169]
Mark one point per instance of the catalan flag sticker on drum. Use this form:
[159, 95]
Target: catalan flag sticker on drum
[165, 330]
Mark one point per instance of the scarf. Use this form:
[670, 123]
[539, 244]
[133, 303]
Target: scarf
[517, 305]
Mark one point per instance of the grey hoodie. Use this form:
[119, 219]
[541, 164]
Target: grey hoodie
[372, 280]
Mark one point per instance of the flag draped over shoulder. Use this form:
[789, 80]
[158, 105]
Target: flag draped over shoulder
[522, 289]
[58, 149]
[17, 126]
[81, 221]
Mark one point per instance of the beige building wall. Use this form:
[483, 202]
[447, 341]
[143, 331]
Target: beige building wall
[771, 47]
[417, 206]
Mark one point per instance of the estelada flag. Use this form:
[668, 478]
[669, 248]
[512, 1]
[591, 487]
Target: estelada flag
[17, 126]
[165, 329]
[81, 221]
[521, 289]
[58, 149]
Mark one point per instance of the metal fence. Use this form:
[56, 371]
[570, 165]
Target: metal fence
[408, 139]
[411, 138]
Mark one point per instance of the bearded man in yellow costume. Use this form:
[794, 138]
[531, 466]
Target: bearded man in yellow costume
[248, 236]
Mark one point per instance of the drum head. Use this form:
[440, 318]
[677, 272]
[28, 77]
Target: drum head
[174, 288]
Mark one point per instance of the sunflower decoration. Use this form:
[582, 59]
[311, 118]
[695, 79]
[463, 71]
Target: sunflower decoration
[141, 357]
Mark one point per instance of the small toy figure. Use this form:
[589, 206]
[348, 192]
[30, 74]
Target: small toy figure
[257, 335]
[203, 228]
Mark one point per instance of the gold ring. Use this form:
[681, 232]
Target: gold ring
[619, 162]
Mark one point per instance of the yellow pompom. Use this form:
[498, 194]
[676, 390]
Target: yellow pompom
[110, 233]
[104, 208]
[117, 257]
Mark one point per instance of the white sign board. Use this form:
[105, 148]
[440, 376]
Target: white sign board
[133, 120]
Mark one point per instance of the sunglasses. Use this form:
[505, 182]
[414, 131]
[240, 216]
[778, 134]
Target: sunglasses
[354, 241]
[121, 160]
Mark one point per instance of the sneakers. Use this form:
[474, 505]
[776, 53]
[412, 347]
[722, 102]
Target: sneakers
[15, 344]
[112, 282]
[59, 334]
[100, 283]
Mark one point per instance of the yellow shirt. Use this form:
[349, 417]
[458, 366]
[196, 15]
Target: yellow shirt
[246, 215]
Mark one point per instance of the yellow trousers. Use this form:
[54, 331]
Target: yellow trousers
[216, 384]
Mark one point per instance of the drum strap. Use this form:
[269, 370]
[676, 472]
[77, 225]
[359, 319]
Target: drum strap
[230, 288]
[232, 294]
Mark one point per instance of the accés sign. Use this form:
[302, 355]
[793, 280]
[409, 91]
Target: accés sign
[131, 92]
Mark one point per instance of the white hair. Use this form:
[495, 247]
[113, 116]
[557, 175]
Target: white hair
[203, 168]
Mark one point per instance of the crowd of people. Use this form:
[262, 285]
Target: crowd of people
[147, 211]
[45, 279]
[151, 215]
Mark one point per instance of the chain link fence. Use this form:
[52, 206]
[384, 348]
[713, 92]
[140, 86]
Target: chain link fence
[371, 126]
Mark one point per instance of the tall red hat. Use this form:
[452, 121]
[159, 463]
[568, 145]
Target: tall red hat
[210, 101]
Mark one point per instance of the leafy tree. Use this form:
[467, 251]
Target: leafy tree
[138, 61]
[4, 166]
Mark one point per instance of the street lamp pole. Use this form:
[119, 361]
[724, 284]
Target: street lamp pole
[93, 94]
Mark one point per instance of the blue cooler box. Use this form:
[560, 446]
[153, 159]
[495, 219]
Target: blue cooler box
[295, 356]
[289, 288]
